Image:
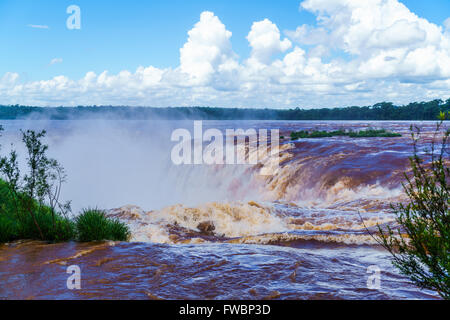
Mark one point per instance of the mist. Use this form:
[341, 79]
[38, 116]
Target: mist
[111, 163]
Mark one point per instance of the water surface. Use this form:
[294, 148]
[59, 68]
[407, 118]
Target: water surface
[223, 231]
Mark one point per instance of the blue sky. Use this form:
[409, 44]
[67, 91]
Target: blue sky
[123, 35]
[118, 35]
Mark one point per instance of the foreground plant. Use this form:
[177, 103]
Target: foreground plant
[30, 206]
[420, 246]
[35, 195]
[94, 225]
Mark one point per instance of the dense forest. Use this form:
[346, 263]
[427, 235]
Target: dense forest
[380, 111]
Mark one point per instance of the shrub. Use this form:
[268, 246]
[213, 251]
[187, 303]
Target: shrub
[16, 224]
[54, 227]
[29, 203]
[93, 225]
[420, 246]
[299, 135]
[369, 133]
[33, 197]
[8, 229]
[319, 134]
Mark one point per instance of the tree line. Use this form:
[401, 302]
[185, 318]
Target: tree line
[381, 111]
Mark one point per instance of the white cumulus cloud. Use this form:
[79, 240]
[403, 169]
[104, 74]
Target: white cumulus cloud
[357, 53]
[208, 49]
[264, 39]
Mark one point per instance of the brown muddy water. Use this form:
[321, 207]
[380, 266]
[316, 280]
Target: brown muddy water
[223, 231]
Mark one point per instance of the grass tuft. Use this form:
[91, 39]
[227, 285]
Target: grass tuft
[94, 225]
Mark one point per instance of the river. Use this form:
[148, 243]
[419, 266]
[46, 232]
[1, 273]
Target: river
[220, 231]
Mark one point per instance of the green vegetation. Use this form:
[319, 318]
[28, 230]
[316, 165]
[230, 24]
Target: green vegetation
[420, 246]
[15, 223]
[369, 133]
[29, 203]
[380, 111]
[93, 225]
